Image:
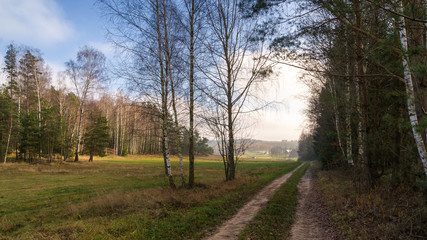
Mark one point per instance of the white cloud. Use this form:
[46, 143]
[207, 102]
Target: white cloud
[106, 48]
[287, 120]
[33, 22]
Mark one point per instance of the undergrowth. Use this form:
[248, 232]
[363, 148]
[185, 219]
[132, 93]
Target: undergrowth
[383, 213]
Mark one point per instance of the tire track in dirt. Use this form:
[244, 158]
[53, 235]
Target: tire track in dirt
[232, 227]
[311, 219]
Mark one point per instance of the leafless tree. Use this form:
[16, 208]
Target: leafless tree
[86, 73]
[236, 65]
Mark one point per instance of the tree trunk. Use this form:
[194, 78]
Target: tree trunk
[39, 110]
[8, 139]
[348, 109]
[19, 122]
[73, 129]
[337, 115]
[76, 159]
[191, 129]
[169, 74]
[163, 82]
[231, 165]
[363, 98]
[411, 92]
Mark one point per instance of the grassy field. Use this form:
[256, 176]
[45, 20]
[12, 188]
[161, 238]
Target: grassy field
[123, 198]
[262, 156]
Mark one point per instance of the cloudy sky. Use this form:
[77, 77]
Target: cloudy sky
[58, 28]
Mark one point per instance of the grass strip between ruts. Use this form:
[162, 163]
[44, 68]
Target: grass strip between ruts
[275, 219]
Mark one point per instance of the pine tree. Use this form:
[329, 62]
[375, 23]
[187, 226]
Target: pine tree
[97, 136]
[11, 68]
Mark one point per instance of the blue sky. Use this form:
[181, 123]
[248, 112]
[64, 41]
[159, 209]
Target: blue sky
[58, 28]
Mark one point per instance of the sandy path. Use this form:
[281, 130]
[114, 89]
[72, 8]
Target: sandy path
[311, 221]
[231, 228]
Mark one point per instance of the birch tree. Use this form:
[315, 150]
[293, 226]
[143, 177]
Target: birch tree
[139, 29]
[407, 73]
[237, 65]
[85, 73]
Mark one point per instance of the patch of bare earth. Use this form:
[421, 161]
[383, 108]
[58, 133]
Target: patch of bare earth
[232, 227]
[311, 218]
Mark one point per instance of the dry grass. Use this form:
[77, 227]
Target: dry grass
[127, 198]
[384, 213]
[119, 203]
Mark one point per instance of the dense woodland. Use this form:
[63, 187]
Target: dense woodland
[365, 64]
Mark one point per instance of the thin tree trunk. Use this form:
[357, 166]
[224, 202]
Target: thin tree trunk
[232, 169]
[163, 83]
[76, 159]
[116, 143]
[8, 139]
[348, 109]
[191, 129]
[19, 122]
[363, 100]
[169, 74]
[337, 115]
[73, 130]
[411, 92]
[39, 110]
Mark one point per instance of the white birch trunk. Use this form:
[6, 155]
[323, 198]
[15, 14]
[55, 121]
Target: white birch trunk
[8, 140]
[39, 109]
[337, 115]
[78, 135]
[410, 92]
[170, 77]
[164, 86]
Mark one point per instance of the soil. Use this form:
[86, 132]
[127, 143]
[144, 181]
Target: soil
[311, 218]
[232, 227]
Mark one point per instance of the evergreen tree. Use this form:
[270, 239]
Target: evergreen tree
[5, 107]
[30, 135]
[97, 136]
[11, 68]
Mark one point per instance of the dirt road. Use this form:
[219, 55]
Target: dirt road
[311, 221]
[231, 228]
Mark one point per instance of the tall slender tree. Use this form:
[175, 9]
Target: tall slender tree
[86, 73]
[11, 68]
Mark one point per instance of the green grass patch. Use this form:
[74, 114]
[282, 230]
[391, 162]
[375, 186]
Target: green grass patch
[112, 199]
[275, 220]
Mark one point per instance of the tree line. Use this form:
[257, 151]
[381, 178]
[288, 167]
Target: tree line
[366, 65]
[40, 121]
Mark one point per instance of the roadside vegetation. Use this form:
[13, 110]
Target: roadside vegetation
[381, 213]
[125, 198]
[275, 219]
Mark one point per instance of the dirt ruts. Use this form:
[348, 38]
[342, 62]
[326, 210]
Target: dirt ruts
[311, 219]
[232, 227]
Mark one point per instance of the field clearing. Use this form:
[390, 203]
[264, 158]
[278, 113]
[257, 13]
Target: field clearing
[263, 156]
[123, 198]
